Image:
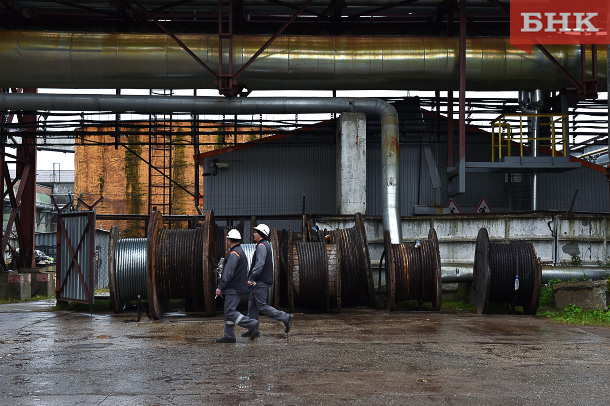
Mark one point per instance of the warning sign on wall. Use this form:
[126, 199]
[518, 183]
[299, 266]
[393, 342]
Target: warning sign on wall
[452, 205]
[483, 207]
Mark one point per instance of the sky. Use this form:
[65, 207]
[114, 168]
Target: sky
[54, 160]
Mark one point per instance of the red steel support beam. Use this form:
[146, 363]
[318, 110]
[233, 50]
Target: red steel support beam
[3, 120]
[26, 171]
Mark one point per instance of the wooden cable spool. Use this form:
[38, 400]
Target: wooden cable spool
[357, 287]
[316, 275]
[180, 265]
[413, 271]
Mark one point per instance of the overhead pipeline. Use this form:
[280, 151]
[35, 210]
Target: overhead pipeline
[112, 61]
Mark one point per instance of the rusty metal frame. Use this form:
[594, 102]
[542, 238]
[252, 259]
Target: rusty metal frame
[176, 39]
[92, 206]
[23, 202]
[227, 82]
[273, 37]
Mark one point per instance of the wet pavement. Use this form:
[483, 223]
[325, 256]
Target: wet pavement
[361, 356]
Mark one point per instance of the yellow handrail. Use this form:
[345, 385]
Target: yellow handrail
[501, 122]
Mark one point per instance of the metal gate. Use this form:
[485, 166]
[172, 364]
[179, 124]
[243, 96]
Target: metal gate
[75, 277]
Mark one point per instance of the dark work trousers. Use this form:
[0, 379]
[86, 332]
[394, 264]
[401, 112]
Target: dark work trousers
[257, 303]
[233, 317]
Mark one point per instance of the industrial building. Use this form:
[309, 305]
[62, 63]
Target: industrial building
[169, 109]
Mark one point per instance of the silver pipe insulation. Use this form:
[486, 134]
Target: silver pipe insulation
[154, 61]
[464, 274]
[533, 102]
[390, 150]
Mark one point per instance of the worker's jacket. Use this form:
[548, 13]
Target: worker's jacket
[235, 272]
[262, 264]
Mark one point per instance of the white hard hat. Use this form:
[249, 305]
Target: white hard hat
[262, 229]
[234, 235]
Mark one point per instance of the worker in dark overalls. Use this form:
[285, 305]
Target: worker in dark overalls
[232, 285]
[260, 278]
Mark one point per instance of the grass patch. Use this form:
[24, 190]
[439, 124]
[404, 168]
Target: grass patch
[32, 299]
[457, 306]
[101, 305]
[571, 314]
[577, 315]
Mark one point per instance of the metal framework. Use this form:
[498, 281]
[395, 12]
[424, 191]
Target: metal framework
[272, 19]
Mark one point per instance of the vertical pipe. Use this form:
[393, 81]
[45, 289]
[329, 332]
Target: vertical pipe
[150, 165]
[450, 163]
[462, 146]
[565, 106]
[537, 105]
[195, 121]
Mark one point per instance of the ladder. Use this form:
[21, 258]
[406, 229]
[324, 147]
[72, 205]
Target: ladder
[160, 158]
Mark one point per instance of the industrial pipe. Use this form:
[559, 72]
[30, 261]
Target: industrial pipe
[463, 274]
[42, 59]
[390, 148]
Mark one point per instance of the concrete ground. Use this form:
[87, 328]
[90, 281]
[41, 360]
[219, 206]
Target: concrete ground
[361, 356]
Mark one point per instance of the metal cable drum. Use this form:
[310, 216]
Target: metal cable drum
[413, 271]
[126, 269]
[221, 240]
[316, 275]
[357, 286]
[180, 265]
[285, 271]
[506, 273]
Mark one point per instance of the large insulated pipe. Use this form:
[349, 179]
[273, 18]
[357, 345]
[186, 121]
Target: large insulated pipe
[95, 60]
[390, 149]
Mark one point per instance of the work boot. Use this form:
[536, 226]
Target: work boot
[224, 340]
[255, 333]
[288, 324]
[248, 333]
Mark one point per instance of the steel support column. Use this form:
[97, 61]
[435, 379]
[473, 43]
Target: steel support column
[608, 132]
[26, 154]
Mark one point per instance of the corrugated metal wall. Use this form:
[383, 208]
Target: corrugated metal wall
[76, 286]
[47, 243]
[556, 191]
[271, 178]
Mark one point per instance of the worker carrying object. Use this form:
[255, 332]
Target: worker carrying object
[232, 285]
